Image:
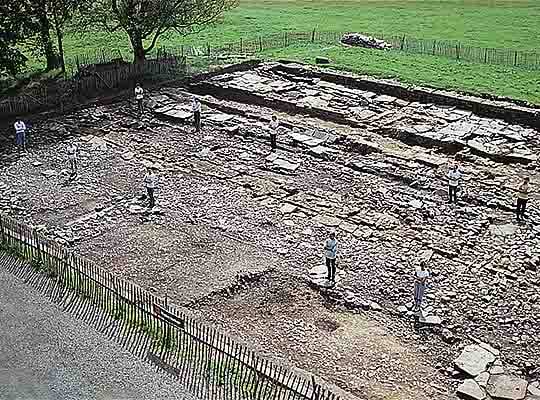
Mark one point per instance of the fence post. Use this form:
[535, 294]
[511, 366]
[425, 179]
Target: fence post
[2, 230]
[241, 45]
[315, 392]
[402, 43]
[457, 51]
[515, 58]
[260, 44]
[313, 36]
[485, 55]
[208, 48]
[36, 239]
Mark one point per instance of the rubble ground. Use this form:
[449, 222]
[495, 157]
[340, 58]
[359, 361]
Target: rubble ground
[368, 355]
[227, 208]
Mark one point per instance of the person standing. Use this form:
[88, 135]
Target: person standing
[20, 134]
[420, 279]
[522, 198]
[150, 181]
[73, 154]
[139, 96]
[454, 177]
[274, 126]
[330, 252]
[196, 108]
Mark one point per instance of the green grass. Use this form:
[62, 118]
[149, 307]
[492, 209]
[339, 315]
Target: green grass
[483, 23]
[424, 70]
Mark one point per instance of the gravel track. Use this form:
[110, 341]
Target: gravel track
[46, 354]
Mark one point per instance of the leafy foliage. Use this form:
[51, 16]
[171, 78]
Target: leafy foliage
[15, 25]
[147, 20]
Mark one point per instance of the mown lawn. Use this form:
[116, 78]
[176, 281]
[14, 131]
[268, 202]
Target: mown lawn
[484, 23]
[429, 71]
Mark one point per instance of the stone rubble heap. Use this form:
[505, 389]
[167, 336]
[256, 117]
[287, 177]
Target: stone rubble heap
[359, 40]
[488, 378]
[429, 125]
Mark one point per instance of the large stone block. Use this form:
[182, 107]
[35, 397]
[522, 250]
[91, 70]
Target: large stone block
[507, 387]
[474, 360]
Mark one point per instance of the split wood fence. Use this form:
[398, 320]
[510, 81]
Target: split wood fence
[210, 364]
[89, 81]
[105, 72]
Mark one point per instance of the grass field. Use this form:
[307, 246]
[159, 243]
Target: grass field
[499, 24]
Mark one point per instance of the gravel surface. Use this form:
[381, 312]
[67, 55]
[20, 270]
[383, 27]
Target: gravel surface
[46, 354]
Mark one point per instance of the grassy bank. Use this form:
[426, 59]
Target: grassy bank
[482, 23]
[424, 70]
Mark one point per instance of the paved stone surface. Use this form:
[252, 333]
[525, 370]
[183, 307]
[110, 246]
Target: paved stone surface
[384, 190]
[474, 360]
[47, 355]
[507, 387]
[469, 389]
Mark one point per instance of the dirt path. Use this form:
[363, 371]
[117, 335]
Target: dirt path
[46, 354]
[284, 319]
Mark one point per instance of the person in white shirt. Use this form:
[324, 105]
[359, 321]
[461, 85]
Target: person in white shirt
[139, 96]
[273, 128]
[73, 153]
[20, 134]
[420, 279]
[330, 253]
[454, 177]
[150, 181]
[522, 198]
[196, 108]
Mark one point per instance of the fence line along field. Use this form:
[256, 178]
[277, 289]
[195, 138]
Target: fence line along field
[480, 24]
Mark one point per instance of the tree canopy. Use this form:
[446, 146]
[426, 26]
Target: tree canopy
[15, 26]
[146, 20]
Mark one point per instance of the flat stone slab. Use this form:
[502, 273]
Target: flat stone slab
[219, 117]
[317, 276]
[482, 379]
[323, 152]
[507, 387]
[281, 163]
[474, 360]
[181, 115]
[288, 208]
[431, 320]
[503, 230]
[469, 389]
[327, 220]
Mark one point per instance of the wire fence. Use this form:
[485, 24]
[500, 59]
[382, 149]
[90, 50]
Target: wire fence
[529, 60]
[210, 364]
[104, 71]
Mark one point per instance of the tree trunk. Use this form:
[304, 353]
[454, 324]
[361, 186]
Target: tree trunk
[60, 38]
[45, 37]
[139, 55]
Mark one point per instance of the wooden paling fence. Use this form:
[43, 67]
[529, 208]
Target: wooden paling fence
[210, 364]
[102, 72]
[89, 81]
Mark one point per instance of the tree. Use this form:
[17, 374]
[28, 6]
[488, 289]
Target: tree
[15, 27]
[60, 12]
[44, 40]
[51, 15]
[147, 20]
